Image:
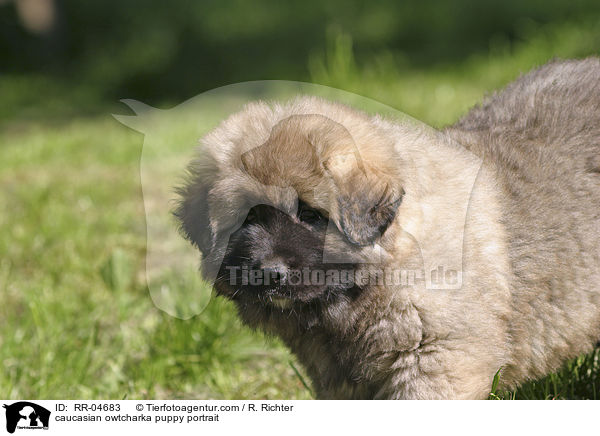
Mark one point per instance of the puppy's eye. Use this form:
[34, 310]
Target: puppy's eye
[308, 215]
[252, 217]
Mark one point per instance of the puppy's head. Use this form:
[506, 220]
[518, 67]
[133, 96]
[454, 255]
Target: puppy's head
[274, 189]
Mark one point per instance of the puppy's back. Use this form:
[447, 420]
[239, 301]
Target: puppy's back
[541, 137]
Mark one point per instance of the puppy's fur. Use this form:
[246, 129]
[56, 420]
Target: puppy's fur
[277, 186]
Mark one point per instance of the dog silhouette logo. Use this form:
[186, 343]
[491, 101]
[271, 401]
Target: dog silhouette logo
[26, 415]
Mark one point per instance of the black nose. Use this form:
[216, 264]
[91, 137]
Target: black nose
[275, 274]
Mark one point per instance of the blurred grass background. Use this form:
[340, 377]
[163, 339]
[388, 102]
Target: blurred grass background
[76, 320]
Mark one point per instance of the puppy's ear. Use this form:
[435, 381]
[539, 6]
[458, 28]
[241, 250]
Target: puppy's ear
[366, 202]
[364, 218]
[192, 214]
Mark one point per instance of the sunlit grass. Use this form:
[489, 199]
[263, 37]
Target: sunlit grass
[77, 320]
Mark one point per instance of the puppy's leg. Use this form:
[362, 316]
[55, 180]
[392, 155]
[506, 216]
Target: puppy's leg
[418, 354]
[439, 375]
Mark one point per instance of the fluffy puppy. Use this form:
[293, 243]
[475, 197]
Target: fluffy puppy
[491, 225]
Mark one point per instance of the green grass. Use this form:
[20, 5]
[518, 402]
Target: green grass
[77, 320]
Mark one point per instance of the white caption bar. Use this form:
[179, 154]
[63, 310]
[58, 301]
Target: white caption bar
[29, 417]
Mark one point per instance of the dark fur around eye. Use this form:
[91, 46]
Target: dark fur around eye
[309, 215]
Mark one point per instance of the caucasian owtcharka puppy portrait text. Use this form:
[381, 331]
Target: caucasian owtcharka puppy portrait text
[333, 230]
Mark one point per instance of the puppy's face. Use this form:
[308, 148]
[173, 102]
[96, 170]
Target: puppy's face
[278, 257]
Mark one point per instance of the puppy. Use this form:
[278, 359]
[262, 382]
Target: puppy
[401, 263]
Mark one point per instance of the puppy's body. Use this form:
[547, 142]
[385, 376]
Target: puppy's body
[541, 138]
[527, 223]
